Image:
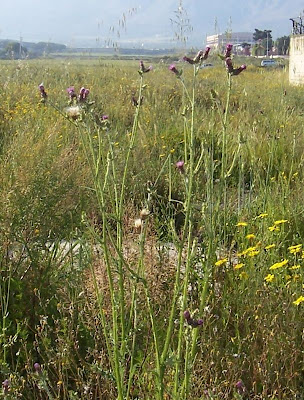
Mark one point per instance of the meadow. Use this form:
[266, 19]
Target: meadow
[151, 231]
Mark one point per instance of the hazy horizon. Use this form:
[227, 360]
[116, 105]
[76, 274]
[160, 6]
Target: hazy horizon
[76, 23]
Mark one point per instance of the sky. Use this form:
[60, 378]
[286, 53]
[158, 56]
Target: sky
[90, 23]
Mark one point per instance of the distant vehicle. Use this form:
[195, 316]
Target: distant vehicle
[207, 65]
[268, 63]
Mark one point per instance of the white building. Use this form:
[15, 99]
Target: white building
[219, 41]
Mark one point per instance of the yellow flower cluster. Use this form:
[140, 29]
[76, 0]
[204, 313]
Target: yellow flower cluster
[279, 265]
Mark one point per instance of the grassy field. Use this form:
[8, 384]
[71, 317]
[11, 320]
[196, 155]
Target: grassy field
[151, 234]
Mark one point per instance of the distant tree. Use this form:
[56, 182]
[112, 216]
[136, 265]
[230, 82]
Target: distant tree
[264, 38]
[15, 50]
[282, 45]
[246, 48]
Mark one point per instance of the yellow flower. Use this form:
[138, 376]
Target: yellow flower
[238, 266]
[280, 221]
[247, 251]
[253, 253]
[299, 300]
[221, 262]
[279, 265]
[295, 249]
[270, 246]
[263, 215]
[295, 267]
[269, 278]
[274, 228]
[250, 236]
[241, 224]
[243, 275]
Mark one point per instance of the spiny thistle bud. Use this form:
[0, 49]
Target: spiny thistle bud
[237, 71]
[173, 69]
[143, 69]
[229, 65]
[228, 50]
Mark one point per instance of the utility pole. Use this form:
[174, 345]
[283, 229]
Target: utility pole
[20, 47]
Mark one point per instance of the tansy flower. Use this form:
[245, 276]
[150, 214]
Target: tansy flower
[269, 278]
[243, 275]
[253, 253]
[241, 224]
[299, 300]
[280, 221]
[250, 236]
[239, 266]
[294, 267]
[249, 250]
[263, 215]
[270, 246]
[279, 265]
[221, 262]
[295, 249]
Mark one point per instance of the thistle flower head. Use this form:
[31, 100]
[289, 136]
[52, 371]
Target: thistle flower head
[104, 117]
[144, 213]
[228, 50]
[187, 315]
[5, 385]
[73, 112]
[180, 166]
[229, 65]
[240, 387]
[71, 92]
[143, 69]
[83, 94]
[43, 93]
[137, 224]
[173, 69]
[37, 367]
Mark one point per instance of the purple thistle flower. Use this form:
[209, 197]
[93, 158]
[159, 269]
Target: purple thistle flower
[228, 50]
[83, 94]
[229, 65]
[71, 92]
[206, 53]
[173, 69]
[180, 166]
[187, 315]
[5, 385]
[43, 93]
[143, 69]
[237, 71]
[240, 387]
[37, 367]
[105, 117]
[189, 60]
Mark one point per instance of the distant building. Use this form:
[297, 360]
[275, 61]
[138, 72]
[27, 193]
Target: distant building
[219, 41]
[296, 59]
